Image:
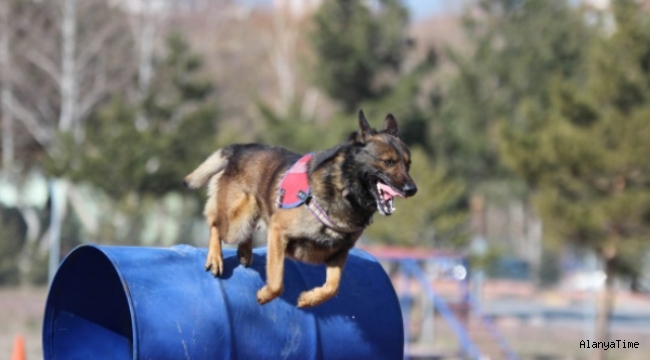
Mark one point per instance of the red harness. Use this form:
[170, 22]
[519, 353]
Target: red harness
[294, 186]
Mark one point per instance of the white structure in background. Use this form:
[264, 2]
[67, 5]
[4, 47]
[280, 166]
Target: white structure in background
[600, 5]
[601, 14]
[139, 6]
[297, 8]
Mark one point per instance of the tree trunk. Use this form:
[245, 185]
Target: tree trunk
[7, 92]
[477, 213]
[605, 302]
[68, 76]
[533, 238]
[147, 37]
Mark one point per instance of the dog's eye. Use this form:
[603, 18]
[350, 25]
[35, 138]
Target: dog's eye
[389, 162]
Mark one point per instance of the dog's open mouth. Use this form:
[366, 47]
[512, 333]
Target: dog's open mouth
[385, 198]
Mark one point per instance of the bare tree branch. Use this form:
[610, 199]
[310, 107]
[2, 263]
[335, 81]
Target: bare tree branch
[147, 38]
[92, 48]
[68, 72]
[7, 92]
[42, 133]
[93, 98]
[44, 63]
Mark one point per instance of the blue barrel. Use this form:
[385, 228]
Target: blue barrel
[118, 302]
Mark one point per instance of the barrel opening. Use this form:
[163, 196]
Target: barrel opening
[89, 305]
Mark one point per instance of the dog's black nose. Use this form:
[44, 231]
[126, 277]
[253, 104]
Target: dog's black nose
[410, 189]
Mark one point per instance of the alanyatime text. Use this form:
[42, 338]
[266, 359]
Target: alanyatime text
[618, 344]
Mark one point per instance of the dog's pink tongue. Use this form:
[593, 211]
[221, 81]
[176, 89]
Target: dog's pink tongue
[388, 192]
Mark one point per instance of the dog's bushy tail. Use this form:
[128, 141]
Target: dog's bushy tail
[213, 165]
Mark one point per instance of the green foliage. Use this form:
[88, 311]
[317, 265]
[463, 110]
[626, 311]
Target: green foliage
[518, 48]
[588, 158]
[147, 148]
[300, 134]
[401, 101]
[357, 47]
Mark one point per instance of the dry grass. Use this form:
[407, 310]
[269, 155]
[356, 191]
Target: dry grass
[535, 340]
[21, 313]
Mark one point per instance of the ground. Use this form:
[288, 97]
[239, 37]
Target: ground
[21, 314]
[535, 339]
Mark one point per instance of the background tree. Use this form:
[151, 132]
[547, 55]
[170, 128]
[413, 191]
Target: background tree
[513, 56]
[508, 63]
[358, 49]
[179, 102]
[57, 66]
[181, 129]
[72, 62]
[587, 157]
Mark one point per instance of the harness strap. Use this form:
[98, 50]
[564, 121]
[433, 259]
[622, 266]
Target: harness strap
[321, 215]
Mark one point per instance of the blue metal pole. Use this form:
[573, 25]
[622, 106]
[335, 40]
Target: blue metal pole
[405, 297]
[466, 343]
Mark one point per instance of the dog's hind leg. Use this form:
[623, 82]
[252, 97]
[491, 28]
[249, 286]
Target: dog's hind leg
[274, 266]
[243, 215]
[214, 261]
[321, 294]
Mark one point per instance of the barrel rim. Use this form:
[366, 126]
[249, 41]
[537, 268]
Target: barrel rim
[48, 316]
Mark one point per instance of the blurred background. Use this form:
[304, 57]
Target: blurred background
[529, 123]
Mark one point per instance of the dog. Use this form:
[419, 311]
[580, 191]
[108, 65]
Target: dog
[342, 188]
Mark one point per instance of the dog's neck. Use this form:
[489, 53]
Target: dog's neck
[338, 189]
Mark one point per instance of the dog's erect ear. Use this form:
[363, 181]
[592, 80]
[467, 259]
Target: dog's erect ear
[390, 125]
[363, 123]
[364, 128]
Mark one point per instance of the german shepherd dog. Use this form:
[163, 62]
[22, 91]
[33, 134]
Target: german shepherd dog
[348, 182]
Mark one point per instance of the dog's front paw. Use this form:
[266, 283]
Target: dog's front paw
[266, 294]
[312, 298]
[309, 299]
[214, 263]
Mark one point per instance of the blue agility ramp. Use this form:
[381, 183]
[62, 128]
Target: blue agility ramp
[110, 302]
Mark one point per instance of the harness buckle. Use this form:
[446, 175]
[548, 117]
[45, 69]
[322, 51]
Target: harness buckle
[280, 198]
[303, 196]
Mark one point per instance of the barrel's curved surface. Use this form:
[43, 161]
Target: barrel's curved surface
[109, 302]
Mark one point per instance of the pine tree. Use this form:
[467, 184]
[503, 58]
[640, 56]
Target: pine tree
[356, 47]
[517, 48]
[588, 156]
